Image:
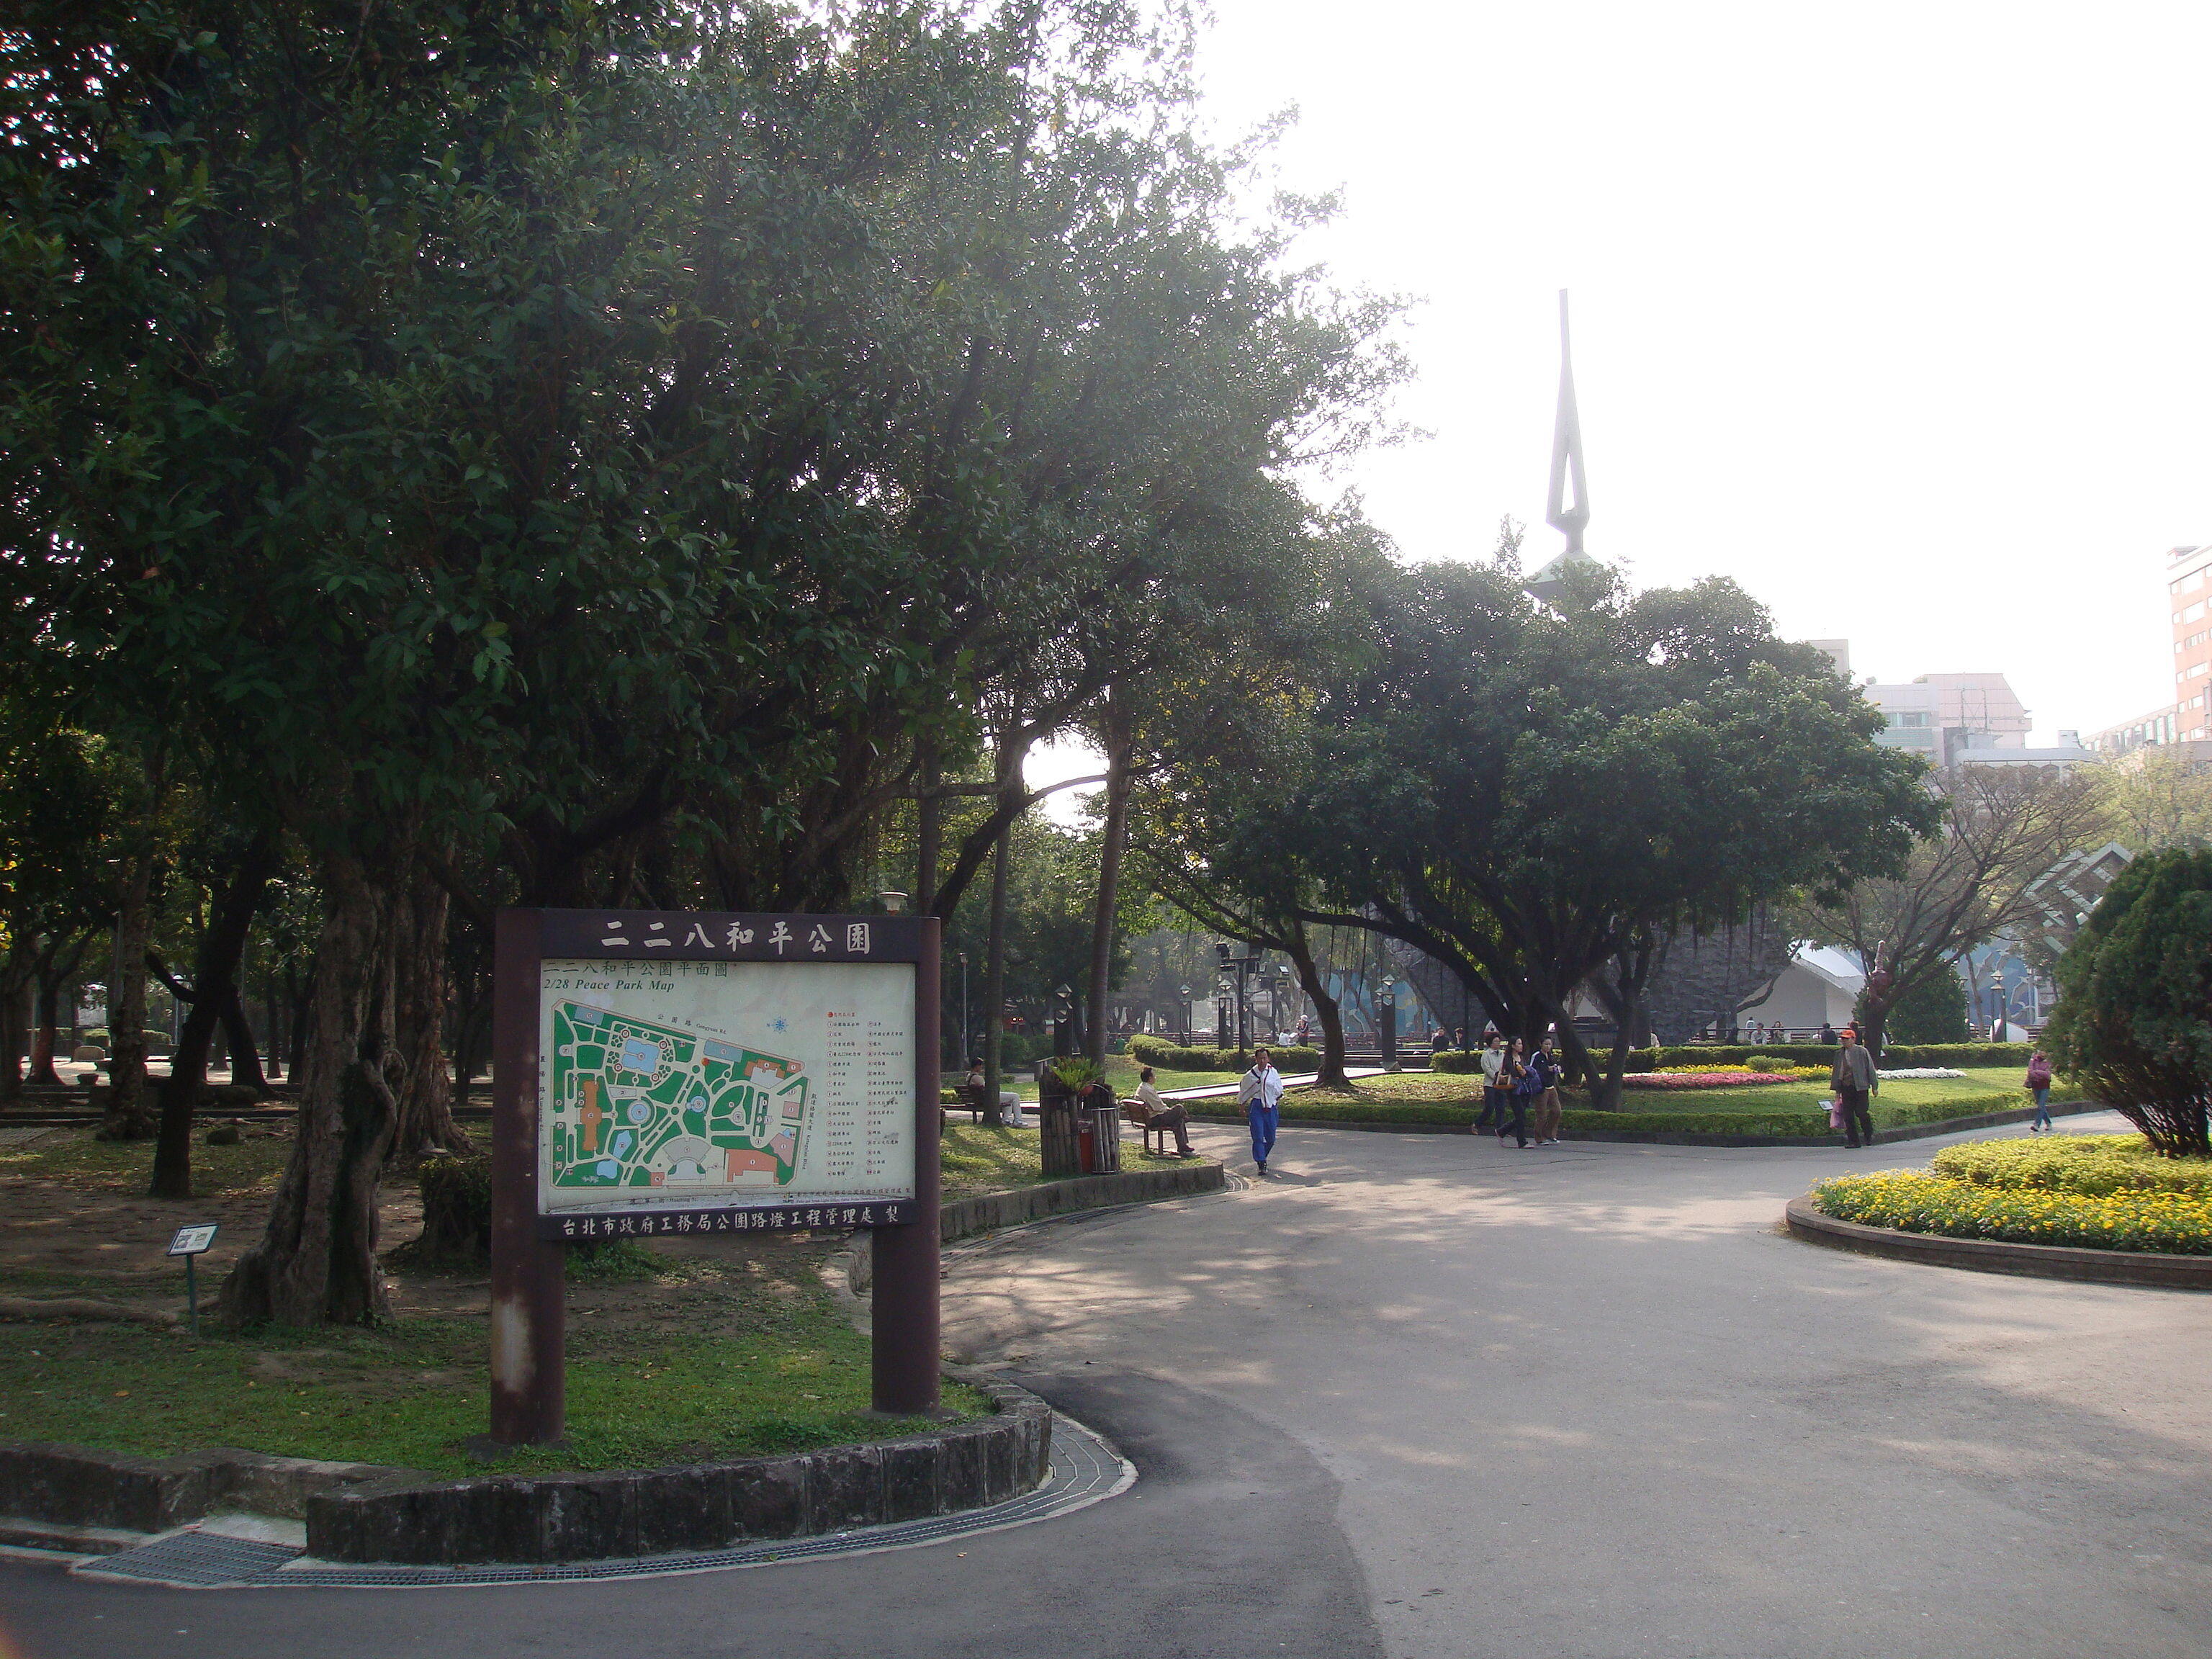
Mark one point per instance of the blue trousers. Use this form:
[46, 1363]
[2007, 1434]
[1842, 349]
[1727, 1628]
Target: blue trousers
[2042, 1118]
[1263, 1129]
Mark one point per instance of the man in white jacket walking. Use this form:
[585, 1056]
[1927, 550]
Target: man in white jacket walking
[1261, 1092]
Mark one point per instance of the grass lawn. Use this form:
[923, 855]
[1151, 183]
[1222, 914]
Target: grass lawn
[737, 1361]
[978, 1158]
[679, 1350]
[1122, 1072]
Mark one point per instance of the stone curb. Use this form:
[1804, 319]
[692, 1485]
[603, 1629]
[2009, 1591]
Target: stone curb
[989, 1211]
[1991, 1255]
[853, 1268]
[1948, 1125]
[76, 1486]
[365, 1513]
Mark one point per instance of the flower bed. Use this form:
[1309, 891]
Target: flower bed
[1681, 1080]
[2093, 1192]
[2093, 1166]
[1913, 1201]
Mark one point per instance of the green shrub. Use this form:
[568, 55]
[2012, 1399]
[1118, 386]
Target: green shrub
[1175, 1057]
[2134, 988]
[1455, 1060]
[1934, 1011]
[456, 1209]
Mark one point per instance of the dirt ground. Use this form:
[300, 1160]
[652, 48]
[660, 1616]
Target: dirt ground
[72, 1226]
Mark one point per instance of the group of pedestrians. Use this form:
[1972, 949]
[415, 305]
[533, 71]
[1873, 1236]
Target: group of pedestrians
[1518, 1087]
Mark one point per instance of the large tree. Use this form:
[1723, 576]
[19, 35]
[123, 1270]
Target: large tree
[1538, 794]
[602, 453]
[1999, 828]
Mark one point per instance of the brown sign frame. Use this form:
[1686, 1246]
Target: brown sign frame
[529, 1313]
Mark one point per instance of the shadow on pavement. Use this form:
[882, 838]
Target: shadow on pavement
[1228, 1548]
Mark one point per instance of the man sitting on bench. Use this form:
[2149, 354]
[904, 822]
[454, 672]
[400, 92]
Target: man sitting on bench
[1147, 1108]
[1010, 1103]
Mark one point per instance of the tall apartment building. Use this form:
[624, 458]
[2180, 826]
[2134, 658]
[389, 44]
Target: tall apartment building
[2187, 718]
[2189, 598]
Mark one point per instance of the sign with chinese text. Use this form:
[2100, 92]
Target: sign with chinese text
[192, 1241]
[752, 1072]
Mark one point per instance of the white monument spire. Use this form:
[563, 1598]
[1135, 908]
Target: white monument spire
[1565, 515]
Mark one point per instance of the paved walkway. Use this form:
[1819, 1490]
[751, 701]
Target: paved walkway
[1590, 1401]
[1419, 1395]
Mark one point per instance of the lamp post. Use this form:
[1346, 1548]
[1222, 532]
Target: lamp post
[1386, 1024]
[1185, 991]
[1996, 1000]
[1063, 1029]
[966, 1038]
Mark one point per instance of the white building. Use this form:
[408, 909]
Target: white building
[1956, 720]
[1819, 987]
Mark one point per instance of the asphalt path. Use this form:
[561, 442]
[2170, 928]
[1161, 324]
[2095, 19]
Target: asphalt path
[1421, 1395]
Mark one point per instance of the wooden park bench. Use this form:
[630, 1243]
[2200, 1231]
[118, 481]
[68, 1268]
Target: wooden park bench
[1138, 1113]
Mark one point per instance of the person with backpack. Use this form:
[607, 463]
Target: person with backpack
[1516, 1077]
[1260, 1089]
[2038, 1085]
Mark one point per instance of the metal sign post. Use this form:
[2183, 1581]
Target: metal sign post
[192, 1243]
[678, 1072]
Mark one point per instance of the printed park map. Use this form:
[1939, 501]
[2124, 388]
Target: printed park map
[639, 1104]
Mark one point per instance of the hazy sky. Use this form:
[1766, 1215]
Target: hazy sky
[1901, 315]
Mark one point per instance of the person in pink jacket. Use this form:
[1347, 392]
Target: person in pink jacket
[2038, 1085]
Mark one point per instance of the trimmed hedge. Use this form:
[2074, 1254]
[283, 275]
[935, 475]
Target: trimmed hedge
[1810, 1120]
[1898, 1056]
[1173, 1057]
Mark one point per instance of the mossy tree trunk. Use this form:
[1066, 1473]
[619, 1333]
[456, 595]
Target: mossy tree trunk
[316, 1261]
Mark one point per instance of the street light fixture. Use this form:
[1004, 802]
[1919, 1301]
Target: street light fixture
[1996, 1000]
[967, 1038]
[1185, 990]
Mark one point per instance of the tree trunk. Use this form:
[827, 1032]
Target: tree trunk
[130, 1115]
[1105, 912]
[295, 1008]
[929, 834]
[271, 1018]
[15, 1023]
[994, 984]
[420, 1084]
[245, 1052]
[59, 970]
[223, 944]
[316, 1261]
[1296, 947]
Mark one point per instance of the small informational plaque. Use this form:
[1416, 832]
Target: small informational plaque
[193, 1240]
[699, 1093]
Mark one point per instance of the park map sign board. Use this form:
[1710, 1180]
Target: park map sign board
[677, 1072]
[751, 1073]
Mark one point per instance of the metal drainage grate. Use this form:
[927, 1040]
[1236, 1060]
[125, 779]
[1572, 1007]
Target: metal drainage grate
[1084, 1469]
